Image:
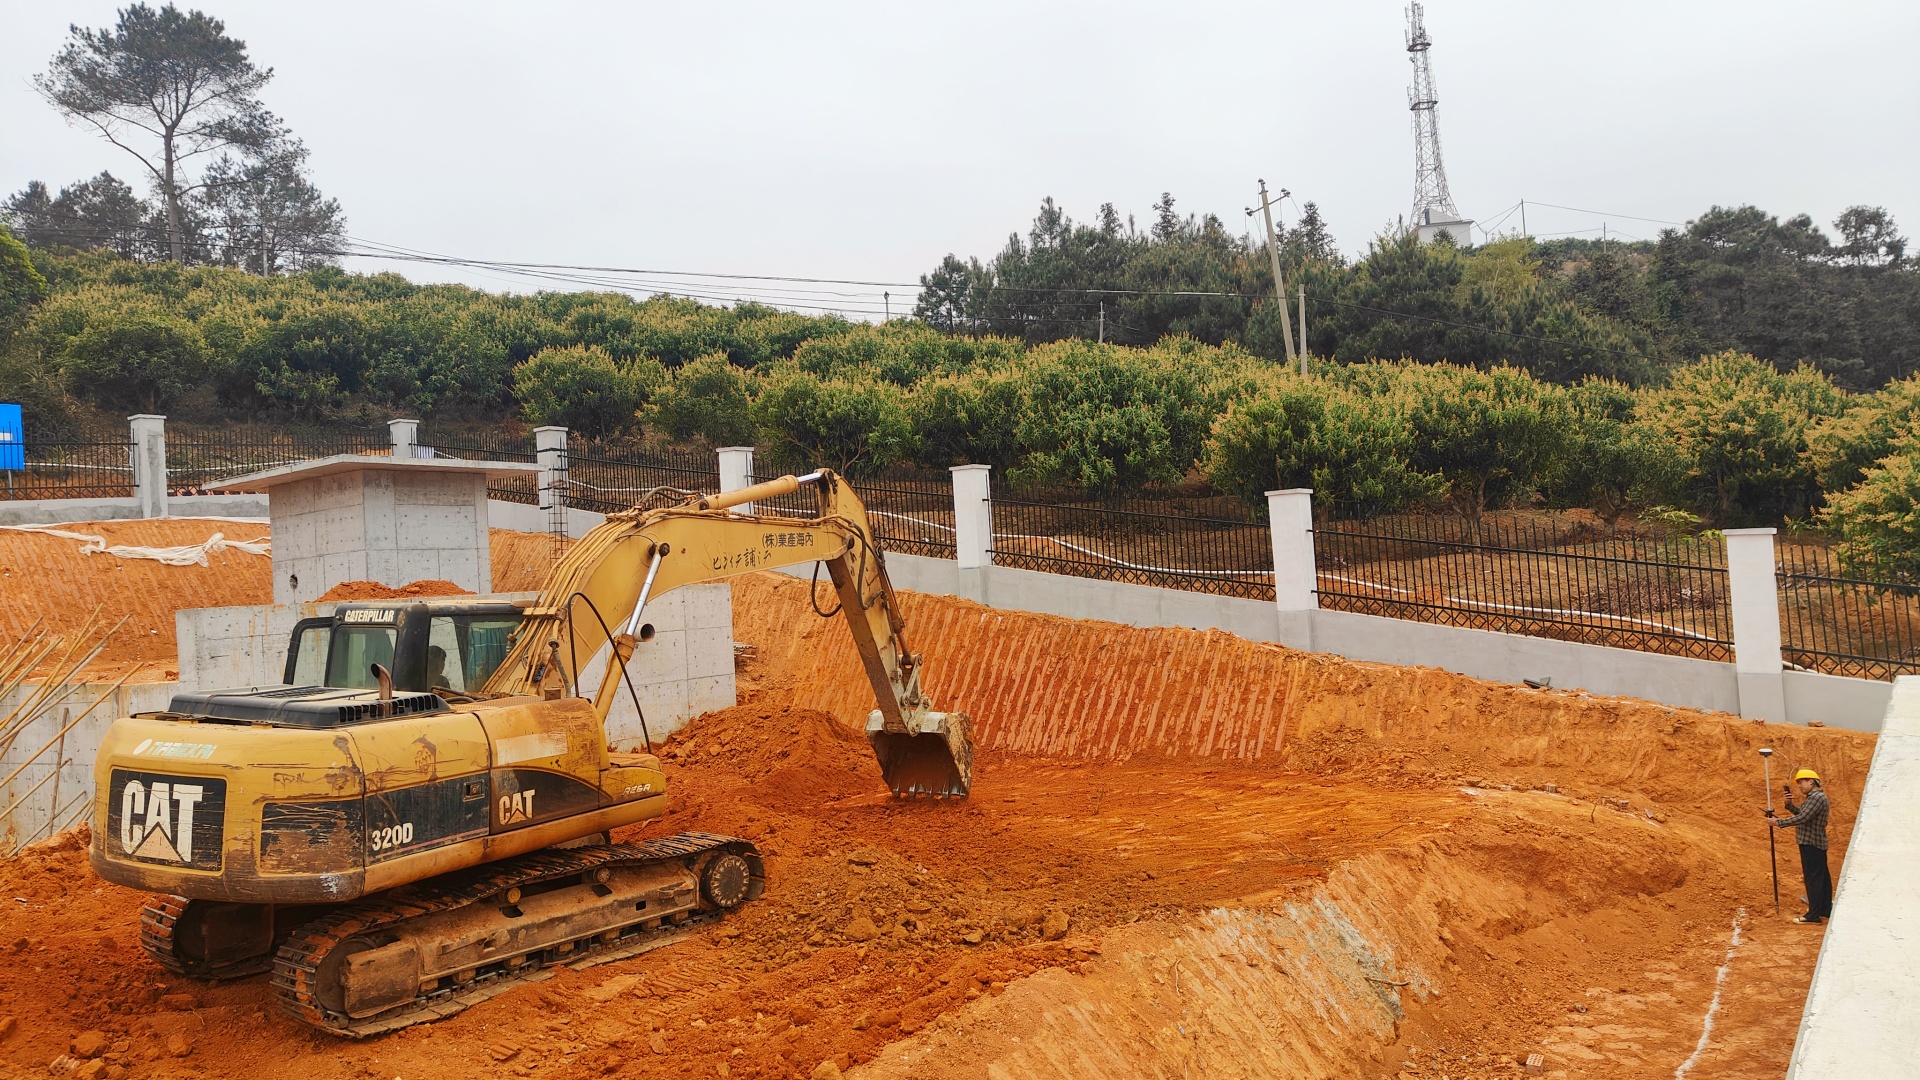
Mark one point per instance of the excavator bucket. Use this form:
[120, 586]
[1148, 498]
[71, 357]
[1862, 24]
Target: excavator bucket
[934, 756]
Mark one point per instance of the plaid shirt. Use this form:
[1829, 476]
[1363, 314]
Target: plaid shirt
[1809, 822]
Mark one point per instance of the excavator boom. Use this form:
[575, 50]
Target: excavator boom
[596, 599]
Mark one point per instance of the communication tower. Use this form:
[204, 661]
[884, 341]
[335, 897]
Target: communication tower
[1433, 210]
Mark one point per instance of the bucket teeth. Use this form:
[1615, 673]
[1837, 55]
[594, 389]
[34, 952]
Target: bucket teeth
[934, 757]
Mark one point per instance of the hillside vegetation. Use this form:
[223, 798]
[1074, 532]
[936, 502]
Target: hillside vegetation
[1726, 437]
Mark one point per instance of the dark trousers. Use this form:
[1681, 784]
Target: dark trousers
[1813, 870]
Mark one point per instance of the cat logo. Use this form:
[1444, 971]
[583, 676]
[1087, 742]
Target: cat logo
[517, 807]
[156, 823]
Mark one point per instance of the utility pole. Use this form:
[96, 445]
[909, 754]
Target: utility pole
[1279, 287]
[1303, 330]
[1103, 321]
[887, 299]
[1523, 219]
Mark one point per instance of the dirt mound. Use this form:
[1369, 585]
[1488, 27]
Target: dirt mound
[373, 590]
[46, 577]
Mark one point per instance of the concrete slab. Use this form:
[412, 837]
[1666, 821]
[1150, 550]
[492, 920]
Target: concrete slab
[1862, 1016]
[268, 479]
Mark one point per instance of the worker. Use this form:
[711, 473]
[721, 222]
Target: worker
[1809, 822]
[437, 669]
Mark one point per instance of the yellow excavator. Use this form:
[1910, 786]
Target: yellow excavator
[396, 850]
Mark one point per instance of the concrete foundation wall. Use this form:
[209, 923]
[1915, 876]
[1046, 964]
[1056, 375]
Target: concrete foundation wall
[35, 804]
[686, 670]
[58, 511]
[1673, 680]
[1862, 1016]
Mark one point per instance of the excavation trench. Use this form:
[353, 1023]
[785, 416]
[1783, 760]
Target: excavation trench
[1185, 855]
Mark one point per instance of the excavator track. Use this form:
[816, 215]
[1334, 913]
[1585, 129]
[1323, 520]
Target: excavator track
[302, 974]
[173, 931]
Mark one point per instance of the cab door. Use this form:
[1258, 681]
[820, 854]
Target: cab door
[307, 652]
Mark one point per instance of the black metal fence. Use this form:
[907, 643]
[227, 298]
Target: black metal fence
[196, 459]
[613, 483]
[1843, 625]
[1167, 539]
[469, 446]
[1650, 593]
[912, 515]
[73, 470]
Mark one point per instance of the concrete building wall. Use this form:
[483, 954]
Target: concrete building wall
[1862, 1016]
[384, 525]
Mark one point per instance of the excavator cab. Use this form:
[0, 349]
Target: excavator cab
[446, 646]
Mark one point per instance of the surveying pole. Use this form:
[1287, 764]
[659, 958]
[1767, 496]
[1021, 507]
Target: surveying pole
[1279, 288]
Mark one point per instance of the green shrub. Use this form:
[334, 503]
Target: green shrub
[1841, 449]
[1878, 519]
[141, 361]
[708, 398]
[1496, 437]
[21, 285]
[584, 389]
[1738, 430]
[1104, 417]
[1615, 462]
[854, 427]
[1344, 445]
[966, 419]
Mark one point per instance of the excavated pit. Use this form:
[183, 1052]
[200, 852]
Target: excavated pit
[1185, 855]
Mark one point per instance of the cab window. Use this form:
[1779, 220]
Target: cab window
[308, 655]
[355, 650]
[463, 650]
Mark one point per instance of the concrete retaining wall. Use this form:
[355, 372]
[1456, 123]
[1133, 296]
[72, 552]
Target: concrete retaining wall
[1862, 1016]
[59, 511]
[1698, 684]
[28, 802]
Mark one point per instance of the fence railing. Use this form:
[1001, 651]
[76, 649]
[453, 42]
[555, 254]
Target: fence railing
[1843, 625]
[606, 485]
[1200, 544]
[1663, 595]
[196, 460]
[74, 470]
[909, 514]
[524, 488]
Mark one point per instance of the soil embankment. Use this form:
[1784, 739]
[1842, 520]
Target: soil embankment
[49, 578]
[1185, 855]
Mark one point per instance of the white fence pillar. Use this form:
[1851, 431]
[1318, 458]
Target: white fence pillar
[736, 471]
[972, 516]
[550, 452]
[1754, 594]
[405, 437]
[149, 438]
[1290, 513]
[1295, 582]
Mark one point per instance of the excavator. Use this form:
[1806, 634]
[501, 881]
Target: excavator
[394, 849]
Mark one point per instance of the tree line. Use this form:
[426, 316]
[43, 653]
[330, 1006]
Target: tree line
[1739, 279]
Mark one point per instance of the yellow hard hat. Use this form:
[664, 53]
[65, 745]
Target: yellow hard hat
[1806, 774]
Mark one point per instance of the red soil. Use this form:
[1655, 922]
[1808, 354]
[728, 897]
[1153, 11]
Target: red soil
[1218, 823]
[373, 590]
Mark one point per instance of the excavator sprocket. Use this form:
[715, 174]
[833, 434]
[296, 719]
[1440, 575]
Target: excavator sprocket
[427, 951]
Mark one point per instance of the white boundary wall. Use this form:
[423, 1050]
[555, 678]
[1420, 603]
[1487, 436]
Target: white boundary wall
[1672, 680]
[1862, 1016]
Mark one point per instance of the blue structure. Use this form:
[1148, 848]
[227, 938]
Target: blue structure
[13, 439]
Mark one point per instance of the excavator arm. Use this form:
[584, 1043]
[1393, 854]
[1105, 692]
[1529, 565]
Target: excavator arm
[599, 592]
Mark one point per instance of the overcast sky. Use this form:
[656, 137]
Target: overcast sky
[865, 141]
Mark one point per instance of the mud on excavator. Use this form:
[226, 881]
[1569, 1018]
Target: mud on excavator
[422, 832]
